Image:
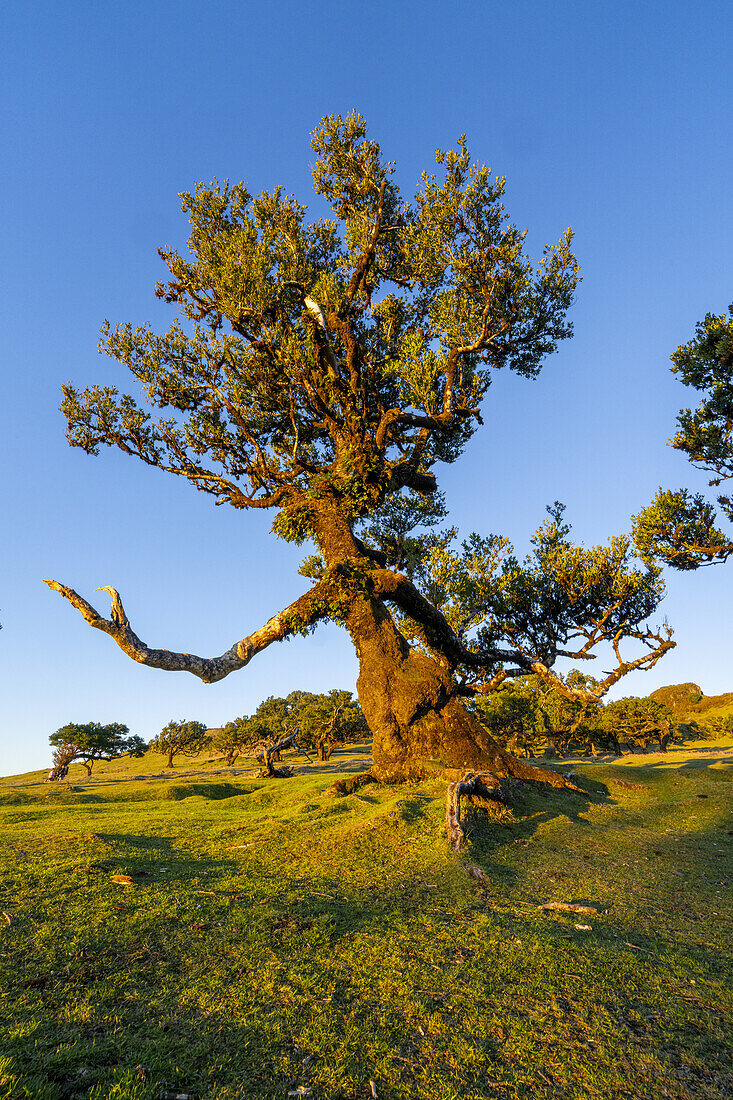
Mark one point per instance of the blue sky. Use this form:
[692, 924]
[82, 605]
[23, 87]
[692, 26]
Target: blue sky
[610, 117]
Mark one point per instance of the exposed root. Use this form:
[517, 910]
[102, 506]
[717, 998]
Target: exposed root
[485, 785]
[488, 789]
[522, 769]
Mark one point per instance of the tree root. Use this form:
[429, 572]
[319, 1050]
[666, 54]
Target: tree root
[485, 787]
[513, 766]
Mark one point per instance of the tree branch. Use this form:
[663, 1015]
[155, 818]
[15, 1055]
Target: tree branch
[307, 610]
[398, 589]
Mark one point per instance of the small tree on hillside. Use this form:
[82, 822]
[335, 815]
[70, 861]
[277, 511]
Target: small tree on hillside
[90, 741]
[181, 739]
[240, 736]
[679, 527]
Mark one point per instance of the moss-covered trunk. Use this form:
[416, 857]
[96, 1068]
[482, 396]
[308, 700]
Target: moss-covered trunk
[410, 700]
[413, 709]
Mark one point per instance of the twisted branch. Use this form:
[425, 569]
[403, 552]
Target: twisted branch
[307, 610]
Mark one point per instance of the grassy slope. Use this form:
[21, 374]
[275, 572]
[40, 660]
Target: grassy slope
[276, 937]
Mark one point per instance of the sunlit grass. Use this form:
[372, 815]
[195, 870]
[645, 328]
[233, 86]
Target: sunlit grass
[276, 937]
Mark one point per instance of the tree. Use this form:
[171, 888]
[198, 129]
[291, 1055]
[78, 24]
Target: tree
[90, 741]
[325, 721]
[679, 527]
[325, 370]
[641, 722]
[181, 739]
[510, 716]
[530, 716]
[241, 735]
[719, 724]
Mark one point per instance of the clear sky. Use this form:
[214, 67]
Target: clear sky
[612, 117]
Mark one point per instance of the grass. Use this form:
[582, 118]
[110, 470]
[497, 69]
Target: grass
[276, 937]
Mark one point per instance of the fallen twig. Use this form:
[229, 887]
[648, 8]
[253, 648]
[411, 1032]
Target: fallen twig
[564, 907]
[478, 874]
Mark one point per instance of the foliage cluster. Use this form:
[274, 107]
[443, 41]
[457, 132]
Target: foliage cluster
[680, 527]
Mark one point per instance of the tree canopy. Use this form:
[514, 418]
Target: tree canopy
[89, 741]
[326, 369]
[680, 527]
[184, 738]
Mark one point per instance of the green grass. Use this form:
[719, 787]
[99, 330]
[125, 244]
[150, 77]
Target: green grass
[276, 937]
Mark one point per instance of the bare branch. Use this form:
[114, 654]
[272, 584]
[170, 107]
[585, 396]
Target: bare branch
[307, 610]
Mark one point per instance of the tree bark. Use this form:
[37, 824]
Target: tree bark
[412, 707]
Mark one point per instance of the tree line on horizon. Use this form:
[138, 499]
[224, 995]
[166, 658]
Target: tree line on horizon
[524, 717]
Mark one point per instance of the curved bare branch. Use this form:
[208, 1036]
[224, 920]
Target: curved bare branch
[304, 612]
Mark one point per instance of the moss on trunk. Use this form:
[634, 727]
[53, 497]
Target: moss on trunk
[412, 706]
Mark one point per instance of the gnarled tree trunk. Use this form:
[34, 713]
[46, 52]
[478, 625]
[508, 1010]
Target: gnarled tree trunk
[413, 709]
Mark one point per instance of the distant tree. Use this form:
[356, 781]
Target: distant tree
[570, 722]
[181, 739]
[238, 737]
[276, 718]
[511, 717]
[680, 527]
[718, 725]
[325, 721]
[638, 723]
[530, 716]
[90, 741]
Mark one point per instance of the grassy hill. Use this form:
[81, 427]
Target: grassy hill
[687, 702]
[272, 937]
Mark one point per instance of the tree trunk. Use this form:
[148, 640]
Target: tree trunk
[412, 707]
[170, 758]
